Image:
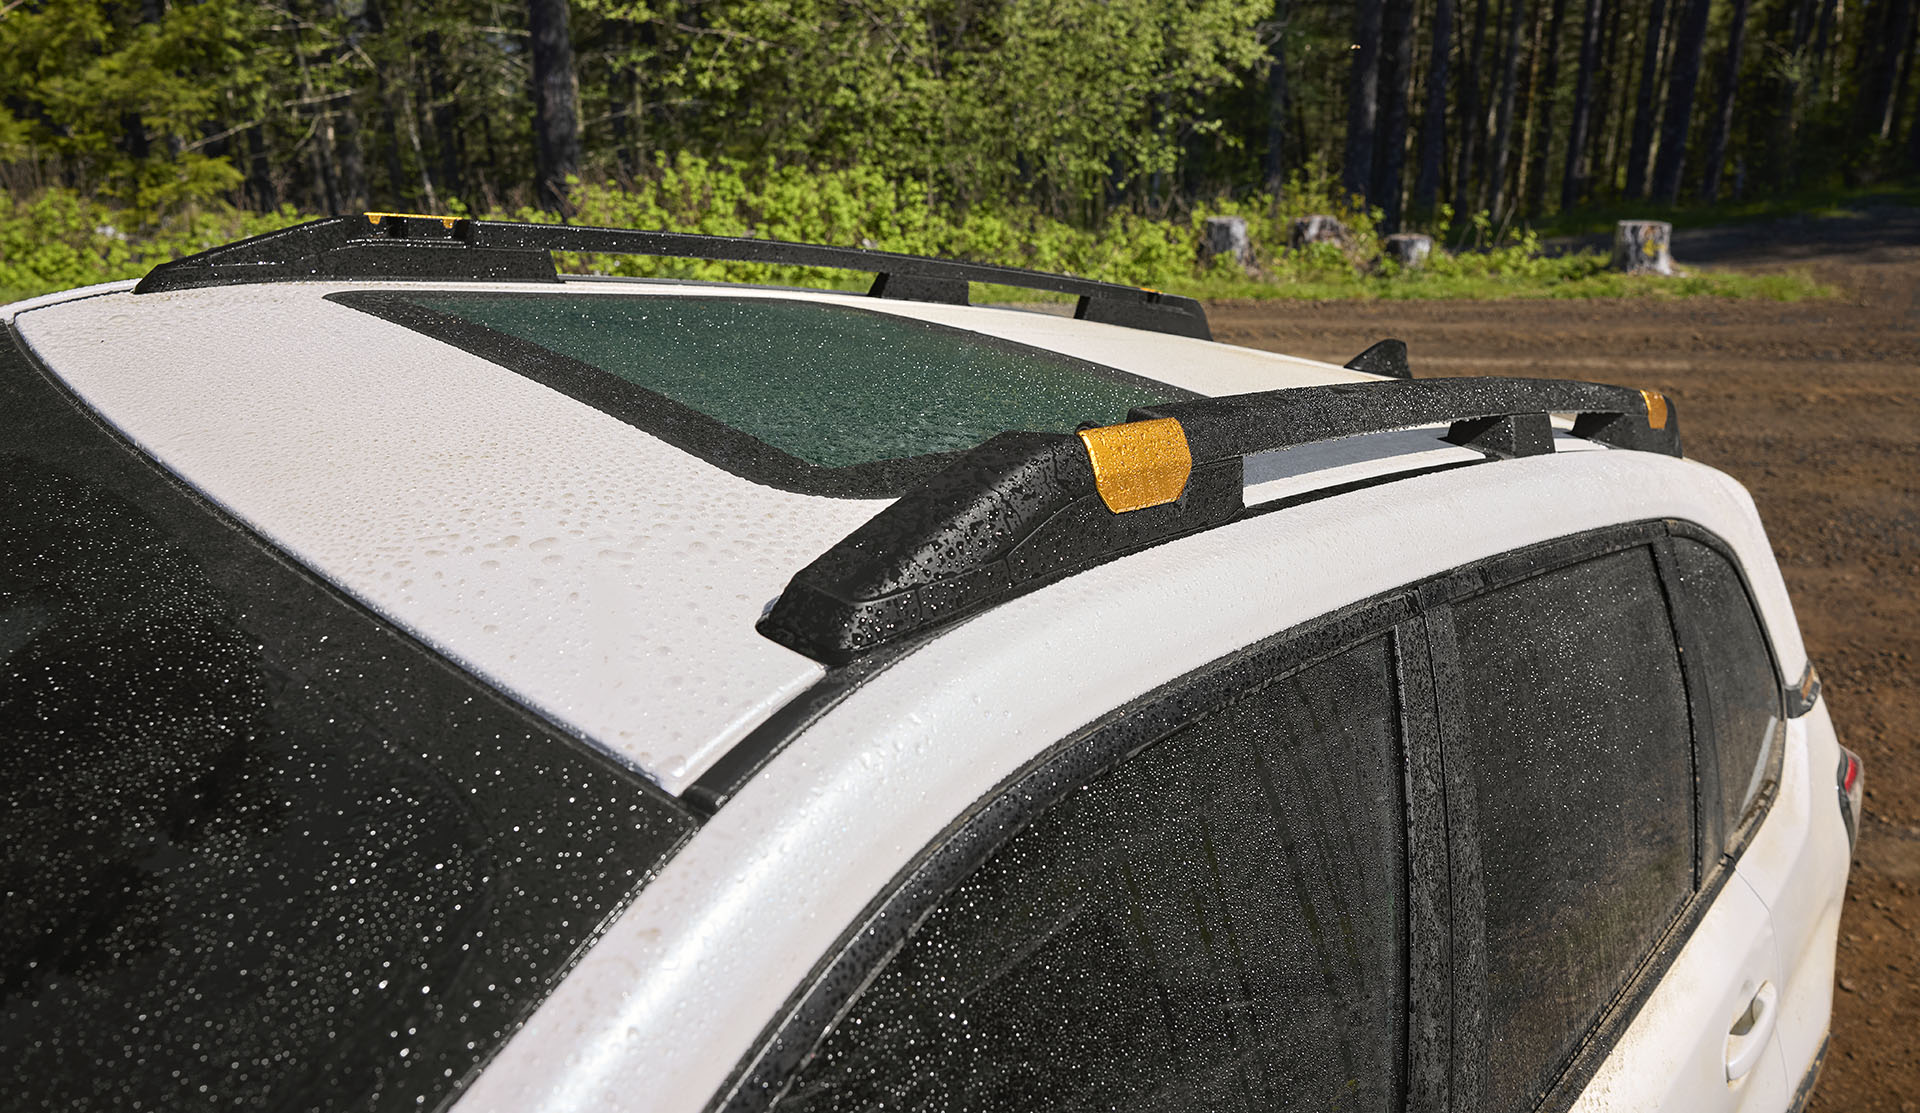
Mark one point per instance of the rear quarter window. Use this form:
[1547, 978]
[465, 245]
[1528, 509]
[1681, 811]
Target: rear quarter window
[1743, 688]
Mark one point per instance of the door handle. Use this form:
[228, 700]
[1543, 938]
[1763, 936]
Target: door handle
[1747, 1039]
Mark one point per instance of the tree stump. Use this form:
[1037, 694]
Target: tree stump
[1643, 247]
[1409, 249]
[1315, 229]
[1226, 235]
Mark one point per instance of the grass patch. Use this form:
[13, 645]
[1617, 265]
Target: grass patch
[1587, 278]
[1828, 203]
[57, 240]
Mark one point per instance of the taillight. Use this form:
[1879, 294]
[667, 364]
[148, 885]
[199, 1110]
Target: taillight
[1851, 781]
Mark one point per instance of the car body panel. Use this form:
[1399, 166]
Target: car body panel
[659, 1012]
[599, 575]
[1674, 1053]
[1797, 863]
[611, 582]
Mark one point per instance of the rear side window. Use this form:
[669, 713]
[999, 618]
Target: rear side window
[258, 850]
[1577, 729]
[1218, 924]
[1743, 691]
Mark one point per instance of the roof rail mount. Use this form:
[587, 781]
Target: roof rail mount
[1026, 509]
[411, 246]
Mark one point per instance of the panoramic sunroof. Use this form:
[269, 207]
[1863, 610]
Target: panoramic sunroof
[807, 396]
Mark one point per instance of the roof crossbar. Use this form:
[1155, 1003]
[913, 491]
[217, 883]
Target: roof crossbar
[1026, 509]
[407, 246]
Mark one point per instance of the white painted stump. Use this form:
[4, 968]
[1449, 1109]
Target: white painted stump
[1315, 229]
[1409, 249]
[1226, 235]
[1643, 247]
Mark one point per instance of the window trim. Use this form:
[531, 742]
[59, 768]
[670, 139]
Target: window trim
[866, 948]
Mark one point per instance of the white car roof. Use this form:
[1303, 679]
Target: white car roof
[599, 575]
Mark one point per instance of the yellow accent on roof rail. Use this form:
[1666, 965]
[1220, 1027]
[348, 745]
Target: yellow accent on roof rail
[446, 221]
[1656, 409]
[1139, 463]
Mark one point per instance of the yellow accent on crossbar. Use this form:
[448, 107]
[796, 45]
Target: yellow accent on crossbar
[1140, 463]
[1656, 409]
[445, 221]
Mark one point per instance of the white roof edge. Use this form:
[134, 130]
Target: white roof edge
[13, 309]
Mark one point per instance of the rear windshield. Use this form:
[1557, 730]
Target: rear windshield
[809, 396]
[258, 849]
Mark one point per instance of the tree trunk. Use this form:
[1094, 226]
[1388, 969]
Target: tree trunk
[1823, 43]
[1573, 179]
[1274, 167]
[1884, 47]
[1548, 94]
[1723, 112]
[1645, 108]
[1363, 99]
[260, 189]
[1433, 125]
[1396, 77]
[1471, 122]
[1609, 98]
[353, 162]
[1503, 127]
[556, 101]
[444, 115]
[1678, 118]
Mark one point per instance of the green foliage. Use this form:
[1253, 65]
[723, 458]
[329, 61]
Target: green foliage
[117, 99]
[1061, 102]
[57, 240]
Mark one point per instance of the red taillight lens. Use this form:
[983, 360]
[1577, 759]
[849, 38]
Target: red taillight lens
[1852, 787]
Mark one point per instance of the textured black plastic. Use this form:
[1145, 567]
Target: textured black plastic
[1021, 510]
[1388, 357]
[414, 247]
[1241, 424]
[1157, 312]
[1015, 513]
[1507, 437]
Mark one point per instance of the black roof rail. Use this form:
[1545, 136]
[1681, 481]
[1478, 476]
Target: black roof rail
[410, 246]
[1026, 509]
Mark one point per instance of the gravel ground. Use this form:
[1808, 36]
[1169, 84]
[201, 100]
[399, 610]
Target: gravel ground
[1816, 408]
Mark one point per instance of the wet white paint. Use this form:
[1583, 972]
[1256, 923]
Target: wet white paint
[685, 980]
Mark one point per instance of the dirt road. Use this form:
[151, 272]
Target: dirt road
[1816, 408]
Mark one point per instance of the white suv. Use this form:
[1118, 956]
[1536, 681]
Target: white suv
[430, 683]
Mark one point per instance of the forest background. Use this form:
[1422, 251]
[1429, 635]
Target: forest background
[1090, 136]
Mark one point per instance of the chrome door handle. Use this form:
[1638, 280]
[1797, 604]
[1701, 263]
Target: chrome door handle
[1747, 1039]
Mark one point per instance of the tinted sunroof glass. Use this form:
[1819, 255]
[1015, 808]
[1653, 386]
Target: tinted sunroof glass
[831, 385]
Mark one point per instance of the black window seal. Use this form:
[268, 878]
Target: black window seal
[680, 425]
[869, 944]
